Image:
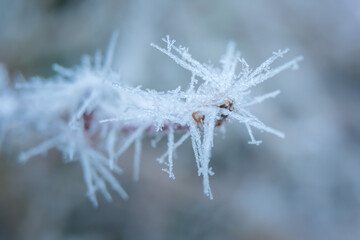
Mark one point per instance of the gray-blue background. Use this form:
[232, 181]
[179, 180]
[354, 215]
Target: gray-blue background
[304, 187]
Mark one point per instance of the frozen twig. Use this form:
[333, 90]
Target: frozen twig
[92, 117]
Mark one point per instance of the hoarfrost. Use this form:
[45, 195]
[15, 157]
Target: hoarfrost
[92, 117]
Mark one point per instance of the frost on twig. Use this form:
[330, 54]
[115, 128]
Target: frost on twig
[221, 94]
[92, 117]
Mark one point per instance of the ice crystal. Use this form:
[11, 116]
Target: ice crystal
[92, 117]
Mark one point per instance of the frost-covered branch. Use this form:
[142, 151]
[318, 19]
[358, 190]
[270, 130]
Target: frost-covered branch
[93, 117]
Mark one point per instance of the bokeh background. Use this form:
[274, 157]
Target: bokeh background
[304, 187]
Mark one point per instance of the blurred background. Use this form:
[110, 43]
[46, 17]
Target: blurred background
[304, 187]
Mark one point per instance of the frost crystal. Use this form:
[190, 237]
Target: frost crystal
[93, 118]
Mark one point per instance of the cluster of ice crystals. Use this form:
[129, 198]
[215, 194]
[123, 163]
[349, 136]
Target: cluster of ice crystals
[93, 118]
[218, 94]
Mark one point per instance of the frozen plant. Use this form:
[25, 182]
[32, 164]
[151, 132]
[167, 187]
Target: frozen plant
[93, 117]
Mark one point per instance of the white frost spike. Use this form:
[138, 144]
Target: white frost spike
[137, 155]
[111, 148]
[196, 144]
[132, 138]
[62, 71]
[176, 145]
[40, 149]
[262, 98]
[207, 144]
[110, 52]
[108, 176]
[253, 141]
[171, 147]
[88, 179]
